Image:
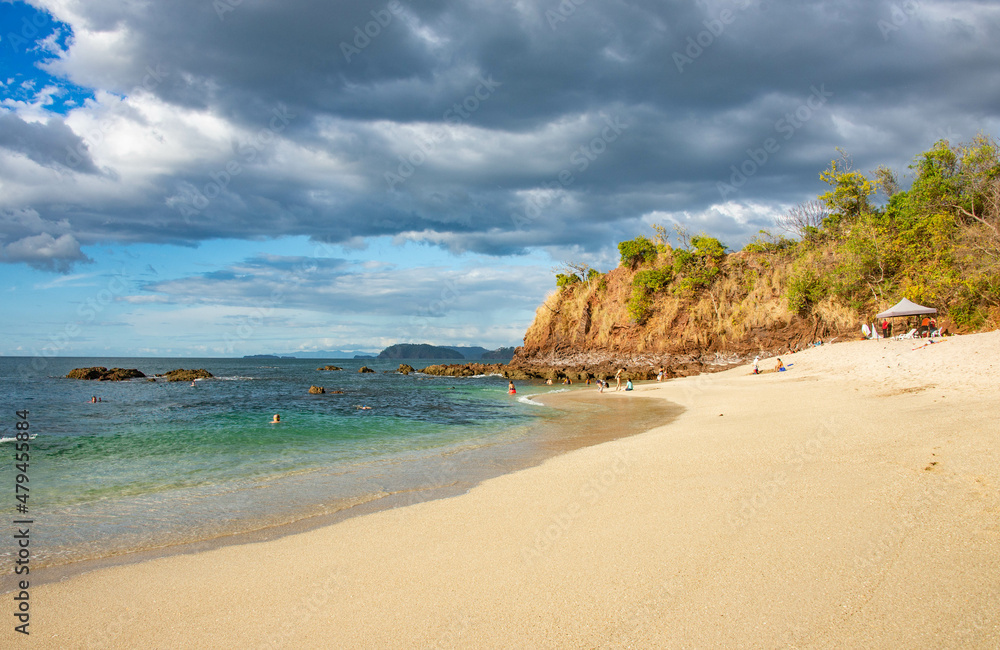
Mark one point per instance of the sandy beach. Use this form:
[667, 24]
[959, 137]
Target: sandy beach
[852, 501]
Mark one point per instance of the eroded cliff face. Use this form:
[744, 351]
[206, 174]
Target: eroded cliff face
[585, 330]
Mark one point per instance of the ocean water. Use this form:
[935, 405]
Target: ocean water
[157, 464]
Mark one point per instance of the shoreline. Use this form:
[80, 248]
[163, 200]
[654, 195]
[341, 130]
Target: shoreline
[482, 463]
[852, 501]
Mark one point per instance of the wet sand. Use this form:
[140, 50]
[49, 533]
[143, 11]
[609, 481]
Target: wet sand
[849, 502]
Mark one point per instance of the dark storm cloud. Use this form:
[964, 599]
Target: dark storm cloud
[490, 126]
[49, 144]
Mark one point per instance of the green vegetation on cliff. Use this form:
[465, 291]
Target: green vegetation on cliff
[847, 258]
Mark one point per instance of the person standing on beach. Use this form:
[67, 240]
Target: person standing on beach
[618, 379]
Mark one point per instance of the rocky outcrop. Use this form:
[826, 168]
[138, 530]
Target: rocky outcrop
[405, 369]
[330, 368]
[464, 369]
[316, 390]
[186, 375]
[100, 373]
[365, 369]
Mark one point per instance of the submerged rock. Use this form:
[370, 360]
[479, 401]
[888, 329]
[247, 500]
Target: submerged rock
[330, 368]
[316, 390]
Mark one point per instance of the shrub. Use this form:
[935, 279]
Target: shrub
[637, 251]
[804, 291]
[639, 304]
[653, 279]
[566, 279]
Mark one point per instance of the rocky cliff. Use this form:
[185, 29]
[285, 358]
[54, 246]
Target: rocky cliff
[587, 329]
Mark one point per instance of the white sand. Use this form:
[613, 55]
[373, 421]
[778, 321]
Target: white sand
[849, 502]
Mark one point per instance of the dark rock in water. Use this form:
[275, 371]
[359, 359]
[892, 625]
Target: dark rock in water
[316, 390]
[101, 373]
[336, 392]
[365, 369]
[330, 368]
[465, 369]
[405, 369]
[186, 375]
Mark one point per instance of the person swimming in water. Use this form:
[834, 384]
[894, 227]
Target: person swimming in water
[276, 419]
[510, 388]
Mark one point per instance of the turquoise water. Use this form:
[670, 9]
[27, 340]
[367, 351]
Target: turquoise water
[159, 463]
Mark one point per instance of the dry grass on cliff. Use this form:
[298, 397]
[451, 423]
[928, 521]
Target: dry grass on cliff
[743, 308]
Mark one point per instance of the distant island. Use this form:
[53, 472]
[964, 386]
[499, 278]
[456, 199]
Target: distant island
[265, 356]
[428, 351]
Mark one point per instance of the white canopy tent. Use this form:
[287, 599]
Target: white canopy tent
[906, 308]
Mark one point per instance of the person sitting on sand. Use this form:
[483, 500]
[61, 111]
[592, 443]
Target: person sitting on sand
[780, 367]
[510, 388]
[628, 385]
[276, 419]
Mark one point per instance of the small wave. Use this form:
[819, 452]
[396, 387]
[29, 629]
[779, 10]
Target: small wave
[12, 439]
[526, 399]
[234, 378]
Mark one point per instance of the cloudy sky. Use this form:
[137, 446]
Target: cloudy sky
[229, 177]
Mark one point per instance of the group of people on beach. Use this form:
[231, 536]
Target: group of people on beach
[928, 325]
[779, 367]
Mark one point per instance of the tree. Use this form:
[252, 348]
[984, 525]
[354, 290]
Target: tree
[886, 181]
[849, 197]
[804, 220]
